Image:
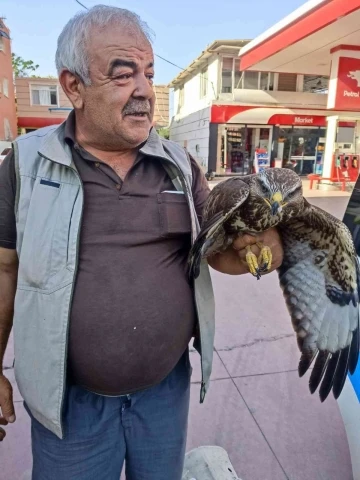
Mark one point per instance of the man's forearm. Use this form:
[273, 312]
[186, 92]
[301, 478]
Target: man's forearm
[8, 280]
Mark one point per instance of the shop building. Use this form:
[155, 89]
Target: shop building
[272, 99]
[223, 115]
[8, 128]
[40, 102]
[321, 40]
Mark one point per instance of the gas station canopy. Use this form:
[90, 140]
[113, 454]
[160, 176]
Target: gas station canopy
[303, 42]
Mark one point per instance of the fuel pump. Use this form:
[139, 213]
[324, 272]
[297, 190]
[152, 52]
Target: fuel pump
[353, 168]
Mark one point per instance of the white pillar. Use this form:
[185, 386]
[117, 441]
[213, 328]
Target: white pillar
[329, 145]
[357, 138]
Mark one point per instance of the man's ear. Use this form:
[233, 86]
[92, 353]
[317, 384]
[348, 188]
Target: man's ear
[73, 88]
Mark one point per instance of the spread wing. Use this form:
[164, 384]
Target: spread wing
[223, 200]
[320, 281]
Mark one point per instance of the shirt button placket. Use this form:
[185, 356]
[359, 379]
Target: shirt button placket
[118, 188]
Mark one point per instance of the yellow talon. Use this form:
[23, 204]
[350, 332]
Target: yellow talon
[265, 258]
[252, 262]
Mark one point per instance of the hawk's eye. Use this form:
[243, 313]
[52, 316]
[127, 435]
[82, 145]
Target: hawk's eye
[320, 258]
[263, 188]
[292, 194]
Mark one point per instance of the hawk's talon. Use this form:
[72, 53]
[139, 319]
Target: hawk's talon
[265, 258]
[252, 263]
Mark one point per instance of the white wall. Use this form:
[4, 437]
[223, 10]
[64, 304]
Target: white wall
[192, 100]
[190, 124]
[192, 131]
[214, 77]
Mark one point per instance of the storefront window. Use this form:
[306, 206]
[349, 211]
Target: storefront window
[316, 84]
[251, 80]
[301, 147]
[227, 71]
[236, 160]
[234, 155]
[237, 74]
[238, 146]
[271, 81]
[266, 81]
[264, 138]
[203, 82]
[181, 98]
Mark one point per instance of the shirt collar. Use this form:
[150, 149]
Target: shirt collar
[152, 146]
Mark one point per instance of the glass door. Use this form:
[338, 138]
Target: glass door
[239, 144]
[300, 148]
[303, 152]
[234, 150]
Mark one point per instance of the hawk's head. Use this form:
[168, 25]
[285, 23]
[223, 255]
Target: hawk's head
[281, 191]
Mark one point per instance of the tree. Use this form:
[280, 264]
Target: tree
[23, 68]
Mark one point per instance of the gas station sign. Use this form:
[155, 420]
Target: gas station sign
[348, 84]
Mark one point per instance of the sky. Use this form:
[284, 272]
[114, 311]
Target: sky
[182, 29]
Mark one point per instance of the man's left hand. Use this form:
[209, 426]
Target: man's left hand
[233, 262]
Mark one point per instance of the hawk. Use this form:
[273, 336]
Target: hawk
[319, 276]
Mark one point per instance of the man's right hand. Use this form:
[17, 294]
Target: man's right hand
[8, 280]
[6, 404]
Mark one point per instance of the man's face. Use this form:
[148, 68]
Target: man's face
[119, 103]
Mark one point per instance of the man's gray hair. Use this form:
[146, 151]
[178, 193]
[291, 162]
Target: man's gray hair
[72, 53]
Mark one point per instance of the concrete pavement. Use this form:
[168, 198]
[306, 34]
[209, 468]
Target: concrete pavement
[257, 407]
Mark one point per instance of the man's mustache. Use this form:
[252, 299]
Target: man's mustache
[137, 107]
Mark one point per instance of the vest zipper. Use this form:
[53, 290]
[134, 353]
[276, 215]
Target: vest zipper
[187, 195]
[73, 283]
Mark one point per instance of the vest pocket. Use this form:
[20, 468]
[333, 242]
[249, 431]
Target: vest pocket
[174, 214]
[44, 248]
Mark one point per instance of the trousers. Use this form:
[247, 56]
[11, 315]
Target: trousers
[146, 431]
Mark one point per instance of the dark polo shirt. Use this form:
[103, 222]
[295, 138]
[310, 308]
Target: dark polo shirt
[133, 311]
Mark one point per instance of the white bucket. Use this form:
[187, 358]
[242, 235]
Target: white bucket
[208, 463]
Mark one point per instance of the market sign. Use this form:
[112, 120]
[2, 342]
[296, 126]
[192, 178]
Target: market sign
[298, 120]
[263, 116]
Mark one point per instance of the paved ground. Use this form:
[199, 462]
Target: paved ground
[257, 407]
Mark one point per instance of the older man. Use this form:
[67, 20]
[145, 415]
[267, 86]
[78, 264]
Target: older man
[97, 218]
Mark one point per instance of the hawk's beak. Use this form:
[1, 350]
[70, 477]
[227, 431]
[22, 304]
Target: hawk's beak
[276, 203]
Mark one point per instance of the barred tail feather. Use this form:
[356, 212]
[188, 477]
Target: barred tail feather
[195, 257]
[354, 350]
[202, 243]
[341, 372]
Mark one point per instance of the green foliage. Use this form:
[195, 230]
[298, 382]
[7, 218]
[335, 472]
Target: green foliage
[164, 132]
[23, 68]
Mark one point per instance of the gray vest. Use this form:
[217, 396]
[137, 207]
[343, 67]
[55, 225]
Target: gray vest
[48, 220]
